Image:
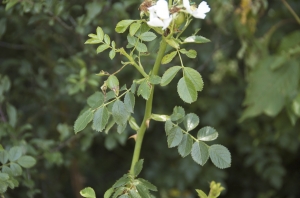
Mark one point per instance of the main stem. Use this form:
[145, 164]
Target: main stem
[148, 109]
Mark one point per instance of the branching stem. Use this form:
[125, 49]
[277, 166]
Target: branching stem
[148, 109]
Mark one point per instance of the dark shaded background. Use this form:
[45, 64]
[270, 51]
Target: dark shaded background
[52, 73]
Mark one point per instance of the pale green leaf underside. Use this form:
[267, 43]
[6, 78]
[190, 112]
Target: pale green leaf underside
[220, 156]
[186, 90]
[185, 147]
[174, 137]
[207, 134]
[200, 153]
[191, 121]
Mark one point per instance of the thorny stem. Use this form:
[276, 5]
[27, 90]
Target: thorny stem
[148, 109]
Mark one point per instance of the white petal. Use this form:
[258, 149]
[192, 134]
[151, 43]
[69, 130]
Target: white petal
[203, 7]
[167, 22]
[152, 12]
[162, 9]
[186, 3]
[199, 15]
[156, 22]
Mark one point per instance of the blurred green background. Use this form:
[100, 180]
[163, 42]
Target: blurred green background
[251, 72]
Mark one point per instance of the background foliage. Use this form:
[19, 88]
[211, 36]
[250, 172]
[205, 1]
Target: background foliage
[251, 96]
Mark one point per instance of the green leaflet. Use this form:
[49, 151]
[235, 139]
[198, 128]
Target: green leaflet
[174, 137]
[16, 169]
[200, 153]
[195, 77]
[83, 120]
[201, 194]
[141, 47]
[168, 126]
[122, 181]
[178, 114]
[154, 79]
[95, 100]
[100, 120]
[12, 114]
[168, 57]
[190, 53]
[100, 33]
[134, 194]
[26, 161]
[172, 42]
[134, 27]
[147, 36]
[112, 54]
[169, 75]
[101, 48]
[185, 147]
[186, 90]
[92, 41]
[138, 167]
[107, 39]
[220, 156]
[123, 25]
[108, 193]
[144, 89]
[147, 184]
[196, 39]
[88, 193]
[4, 176]
[3, 156]
[120, 113]
[113, 84]
[190, 121]
[268, 89]
[15, 153]
[129, 101]
[143, 191]
[207, 134]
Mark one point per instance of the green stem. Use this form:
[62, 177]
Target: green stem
[140, 69]
[148, 109]
[291, 11]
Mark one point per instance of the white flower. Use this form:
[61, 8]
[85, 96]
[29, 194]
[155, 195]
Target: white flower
[200, 12]
[160, 15]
